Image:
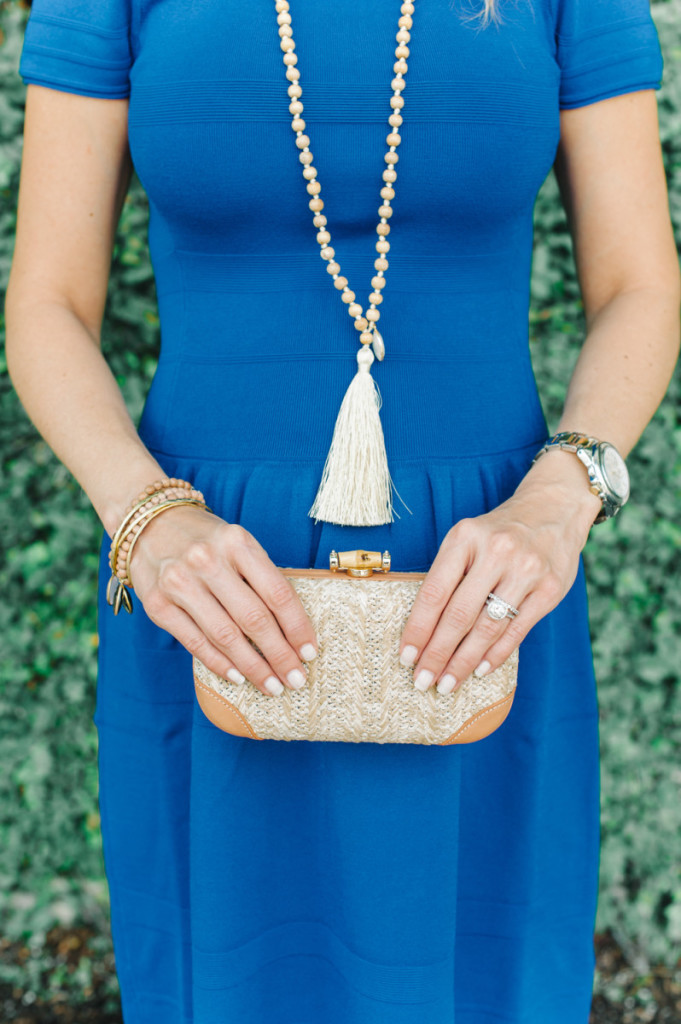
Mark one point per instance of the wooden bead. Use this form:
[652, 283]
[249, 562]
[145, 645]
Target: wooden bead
[313, 187]
[394, 139]
[375, 298]
[401, 50]
[378, 282]
[361, 323]
[316, 204]
[323, 237]
[390, 174]
[310, 173]
[287, 44]
[298, 124]
[302, 141]
[395, 120]
[366, 337]
[385, 211]
[290, 59]
[373, 315]
[383, 229]
[348, 296]
[381, 263]
[398, 84]
[340, 282]
[396, 102]
[328, 252]
[403, 36]
[354, 309]
[333, 267]
[383, 245]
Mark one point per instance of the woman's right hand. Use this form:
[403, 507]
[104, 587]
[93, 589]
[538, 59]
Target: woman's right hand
[211, 585]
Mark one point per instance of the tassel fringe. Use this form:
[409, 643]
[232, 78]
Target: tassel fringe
[356, 487]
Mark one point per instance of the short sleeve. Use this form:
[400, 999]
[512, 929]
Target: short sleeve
[80, 46]
[605, 48]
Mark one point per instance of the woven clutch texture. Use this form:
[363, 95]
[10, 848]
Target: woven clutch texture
[357, 690]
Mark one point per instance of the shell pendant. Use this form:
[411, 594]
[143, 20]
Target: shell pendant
[378, 345]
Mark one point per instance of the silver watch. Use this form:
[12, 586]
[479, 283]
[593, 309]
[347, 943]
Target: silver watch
[608, 474]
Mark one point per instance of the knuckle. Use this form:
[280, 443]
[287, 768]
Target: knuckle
[196, 643]
[155, 603]
[432, 592]
[551, 586]
[458, 616]
[255, 620]
[438, 653]
[199, 555]
[225, 635]
[532, 563]
[462, 528]
[172, 577]
[502, 542]
[513, 634]
[282, 594]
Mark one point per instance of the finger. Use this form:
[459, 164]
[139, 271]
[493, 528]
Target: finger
[459, 616]
[184, 589]
[443, 577]
[533, 608]
[250, 618]
[470, 654]
[279, 595]
[182, 626]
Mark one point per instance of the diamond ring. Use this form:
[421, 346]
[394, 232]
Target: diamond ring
[498, 609]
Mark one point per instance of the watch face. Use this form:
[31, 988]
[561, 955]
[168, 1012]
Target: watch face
[616, 473]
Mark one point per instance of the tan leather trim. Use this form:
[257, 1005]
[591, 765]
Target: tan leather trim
[222, 712]
[341, 575]
[482, 724]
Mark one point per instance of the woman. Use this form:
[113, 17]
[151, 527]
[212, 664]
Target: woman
[300, 883]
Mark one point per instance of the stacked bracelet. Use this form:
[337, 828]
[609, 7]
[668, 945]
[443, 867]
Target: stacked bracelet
[153, 500]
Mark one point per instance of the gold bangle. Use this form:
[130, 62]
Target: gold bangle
[124, 527]
[119, 595]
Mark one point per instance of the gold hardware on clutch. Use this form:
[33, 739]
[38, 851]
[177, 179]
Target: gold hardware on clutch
[359, 562]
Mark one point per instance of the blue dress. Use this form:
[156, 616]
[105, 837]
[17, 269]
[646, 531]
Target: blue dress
[345, 883]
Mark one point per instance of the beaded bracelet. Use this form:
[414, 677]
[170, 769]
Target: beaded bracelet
[153, 500]
[121, 539]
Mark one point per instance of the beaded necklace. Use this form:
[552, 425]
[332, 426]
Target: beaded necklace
[356, 486]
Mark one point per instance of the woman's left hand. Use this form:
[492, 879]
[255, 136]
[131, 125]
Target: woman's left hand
[526, 551]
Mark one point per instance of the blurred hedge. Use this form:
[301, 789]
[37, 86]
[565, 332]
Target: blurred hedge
[51, 870]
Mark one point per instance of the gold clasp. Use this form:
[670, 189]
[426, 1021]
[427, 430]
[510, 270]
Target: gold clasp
[359, 562]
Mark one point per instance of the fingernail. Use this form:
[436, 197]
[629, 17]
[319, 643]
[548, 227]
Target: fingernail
[423, 679]
[482, 669]
[273, 686]
[446, 684]
[236, 676]
[408, 655]
[296, 678]
[308, 652]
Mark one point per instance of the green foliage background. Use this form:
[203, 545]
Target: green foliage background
[51, 869]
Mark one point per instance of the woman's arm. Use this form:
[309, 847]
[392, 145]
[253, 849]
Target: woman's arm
[191, 569]
[611, 177]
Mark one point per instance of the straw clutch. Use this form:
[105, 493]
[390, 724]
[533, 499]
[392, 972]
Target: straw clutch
[357, 690]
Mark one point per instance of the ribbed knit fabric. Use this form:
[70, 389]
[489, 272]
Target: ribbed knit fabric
[345, 883]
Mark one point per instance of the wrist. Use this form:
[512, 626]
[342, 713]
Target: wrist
[562, 481]
[127, 487]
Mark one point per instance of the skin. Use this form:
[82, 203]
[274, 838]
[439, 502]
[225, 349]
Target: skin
[210, 583]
